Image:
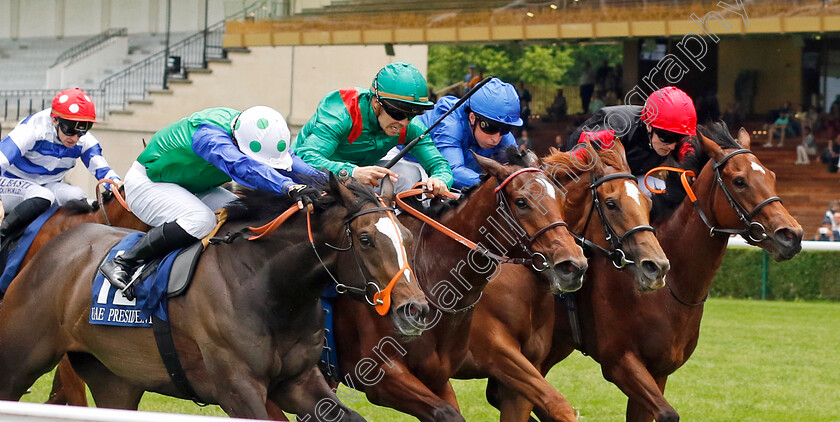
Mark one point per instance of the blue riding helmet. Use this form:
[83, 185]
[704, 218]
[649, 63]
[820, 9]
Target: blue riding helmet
[497, 101]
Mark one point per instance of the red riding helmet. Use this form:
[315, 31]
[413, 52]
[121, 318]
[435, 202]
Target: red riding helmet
[73, 104]
[671, 109]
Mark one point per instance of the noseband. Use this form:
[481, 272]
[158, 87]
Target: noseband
[616, 255]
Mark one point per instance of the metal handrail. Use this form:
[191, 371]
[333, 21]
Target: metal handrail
[90, 44]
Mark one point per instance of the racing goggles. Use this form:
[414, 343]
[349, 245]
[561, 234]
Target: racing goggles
[73, 128]
[492, 127]
[668, 137]
[398, 113]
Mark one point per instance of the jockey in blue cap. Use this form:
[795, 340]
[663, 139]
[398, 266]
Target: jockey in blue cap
[481, 125]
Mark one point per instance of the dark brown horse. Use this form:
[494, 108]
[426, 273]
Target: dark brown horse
[512, 328]
[68, 388]
[640, 340]
[249, 329]
[414, 377]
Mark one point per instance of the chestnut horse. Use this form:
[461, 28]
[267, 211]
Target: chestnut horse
[513, 325]
[640, 340]
[249, 329]
[68, 388]
[414, 377]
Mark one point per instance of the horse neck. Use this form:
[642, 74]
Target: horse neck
[464, 271]
[263, 266]
[695, 256]
[118, 216]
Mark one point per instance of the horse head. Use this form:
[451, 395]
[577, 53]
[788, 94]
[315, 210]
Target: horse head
[536, 204]
[379, 243]
[605, 206]
[744, 194]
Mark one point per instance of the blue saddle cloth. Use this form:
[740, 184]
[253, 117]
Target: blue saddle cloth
[16, 255]
[109, 307]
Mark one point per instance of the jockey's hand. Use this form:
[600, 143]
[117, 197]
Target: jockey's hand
[303, 194]
[436, 186]
[370, 175]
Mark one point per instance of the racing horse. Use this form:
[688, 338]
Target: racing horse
[639, 340]
[519, 212]
[249, 329]
[68, 388]
[513, 325]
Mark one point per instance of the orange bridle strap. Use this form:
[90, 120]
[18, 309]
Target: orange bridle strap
[684, 175]
[382, 299]
[422, 217]
[272, 225]
[116, 192]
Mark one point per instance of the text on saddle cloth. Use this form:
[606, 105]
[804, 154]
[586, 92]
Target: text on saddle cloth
[158, 280]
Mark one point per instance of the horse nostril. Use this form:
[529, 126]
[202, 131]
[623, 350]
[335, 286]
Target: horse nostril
[417, 311]
[787, 237]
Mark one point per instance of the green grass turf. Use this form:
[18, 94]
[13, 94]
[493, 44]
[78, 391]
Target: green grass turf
[756, 361]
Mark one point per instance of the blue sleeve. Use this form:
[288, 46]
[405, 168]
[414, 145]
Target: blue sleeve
[300, 168]
[213, 144]
[463, 175]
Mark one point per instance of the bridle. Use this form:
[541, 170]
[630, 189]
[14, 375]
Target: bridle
[617, 255]
[752, 230]
[381, 298]
[523, 241]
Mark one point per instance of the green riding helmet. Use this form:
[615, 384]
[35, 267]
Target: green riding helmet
[400, 85]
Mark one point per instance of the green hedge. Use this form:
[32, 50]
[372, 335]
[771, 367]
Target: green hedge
[811, 275]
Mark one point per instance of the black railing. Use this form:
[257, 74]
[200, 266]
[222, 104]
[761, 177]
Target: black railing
[19, 103]
[89, 44]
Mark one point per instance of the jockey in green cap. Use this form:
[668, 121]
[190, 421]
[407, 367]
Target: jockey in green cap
[354, 128]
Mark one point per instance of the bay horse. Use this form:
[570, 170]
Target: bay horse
[513, 325]
[249, 329]
[414, 377]
[68, 388]
[639, 340]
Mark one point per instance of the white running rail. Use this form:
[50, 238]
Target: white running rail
[33, 412]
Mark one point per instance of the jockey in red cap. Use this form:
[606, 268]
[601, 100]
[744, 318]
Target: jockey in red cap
[649, 133]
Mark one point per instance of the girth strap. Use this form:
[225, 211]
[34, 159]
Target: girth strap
[169, 355]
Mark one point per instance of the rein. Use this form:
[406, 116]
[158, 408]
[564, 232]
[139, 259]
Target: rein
[381, 300]
[479, 248]
[115, 192]
[752, 230]
[616, 255]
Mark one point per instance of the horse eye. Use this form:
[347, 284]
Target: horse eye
[611, 204]
[365, 240]
[739, 182]
[521, 203]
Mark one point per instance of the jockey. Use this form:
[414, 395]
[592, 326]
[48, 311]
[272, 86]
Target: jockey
[354, 128]
[40, 150]
[482, 125]
[650, 134]
[174, 185]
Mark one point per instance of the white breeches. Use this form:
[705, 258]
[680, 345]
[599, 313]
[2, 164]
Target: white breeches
[15, 191]
[156, 203]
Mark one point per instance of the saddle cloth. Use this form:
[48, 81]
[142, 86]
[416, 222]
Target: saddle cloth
[14, 251]
[155, 282]
[329, 356]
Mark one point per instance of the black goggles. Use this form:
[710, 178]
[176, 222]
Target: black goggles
[492, 127]
[398, 113]
[668, 137]
[73, 128]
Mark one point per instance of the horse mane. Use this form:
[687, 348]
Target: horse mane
[260, 205]
[81, 206]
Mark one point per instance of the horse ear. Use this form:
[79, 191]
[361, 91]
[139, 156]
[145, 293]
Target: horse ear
[387, 189]
[711, 148]
[491, 167]
[344, 195]
[531, 159]
[744, 138]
